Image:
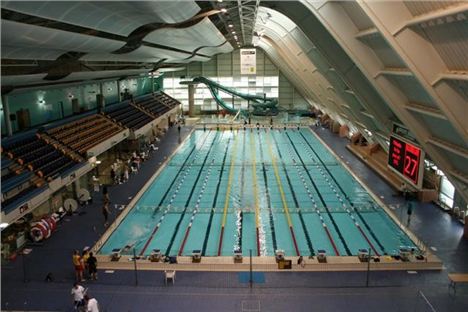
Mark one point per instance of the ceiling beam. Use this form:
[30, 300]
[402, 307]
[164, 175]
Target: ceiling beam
[439, 15]
[425, 110]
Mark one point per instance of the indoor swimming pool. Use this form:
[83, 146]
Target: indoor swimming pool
[261, 190]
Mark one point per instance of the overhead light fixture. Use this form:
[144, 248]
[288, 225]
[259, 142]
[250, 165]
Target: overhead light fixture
[233, 32]
[220, 0]
[223, 10]
[230, 25]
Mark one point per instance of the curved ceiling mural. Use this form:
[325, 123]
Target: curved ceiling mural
[59, 39]
[117, 17]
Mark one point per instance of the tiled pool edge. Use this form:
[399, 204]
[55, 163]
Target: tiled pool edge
[268, 263]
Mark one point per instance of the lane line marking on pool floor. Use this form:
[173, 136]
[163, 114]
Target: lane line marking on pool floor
[283, 197]
[228, 191]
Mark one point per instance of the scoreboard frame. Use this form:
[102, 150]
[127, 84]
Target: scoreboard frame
[406, 159]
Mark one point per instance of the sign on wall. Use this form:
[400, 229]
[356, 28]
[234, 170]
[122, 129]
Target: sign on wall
[407, 160]
[403, 132]
[248, 61]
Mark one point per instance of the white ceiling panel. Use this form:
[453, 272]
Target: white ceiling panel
[225, 48]
[29, 36]
[203, 33]
[110, 16]
[9, 52]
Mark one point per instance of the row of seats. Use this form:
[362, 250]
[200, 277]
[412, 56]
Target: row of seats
[16, 181]
[34, 152]
[158, 104]
[21, 147]
[166, 99]
[60, 130]
[69, 132]
[85, 133]
[30, 158]
[60, 164]
[128, 115]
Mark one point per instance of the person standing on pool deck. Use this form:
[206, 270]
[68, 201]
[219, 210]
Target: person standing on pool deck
[105, 212]
[84, 261]
[78, 267]
[410, 206]
[105, 194]
[78, 293]
[92, 266]
[92, 304]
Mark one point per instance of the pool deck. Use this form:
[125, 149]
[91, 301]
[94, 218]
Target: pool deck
[295, 290]
[269, 264]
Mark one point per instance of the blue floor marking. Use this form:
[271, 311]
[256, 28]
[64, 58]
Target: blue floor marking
[257, 277]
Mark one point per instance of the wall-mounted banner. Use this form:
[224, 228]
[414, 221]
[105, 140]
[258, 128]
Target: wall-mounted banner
[248, 61]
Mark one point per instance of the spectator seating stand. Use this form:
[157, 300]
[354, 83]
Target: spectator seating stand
[157, 104]
[128, 115]
[85, 133]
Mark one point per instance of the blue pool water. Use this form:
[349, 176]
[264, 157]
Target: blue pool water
[259, 190]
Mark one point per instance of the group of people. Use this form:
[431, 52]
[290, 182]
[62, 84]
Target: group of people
[82, 301]
[84, 262]
[120, 172]
[121, 169]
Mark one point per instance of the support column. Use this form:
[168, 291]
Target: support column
[76, 188]
[6, 115]
[118, 91]
[191, 99]
[100, 100]
[465, 232]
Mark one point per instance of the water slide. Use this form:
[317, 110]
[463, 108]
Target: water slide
[260, 105]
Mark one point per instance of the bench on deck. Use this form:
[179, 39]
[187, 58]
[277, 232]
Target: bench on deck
[456, 278]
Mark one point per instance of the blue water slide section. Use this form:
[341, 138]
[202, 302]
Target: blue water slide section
[262, 106]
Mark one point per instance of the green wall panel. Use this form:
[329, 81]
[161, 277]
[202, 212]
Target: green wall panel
[49, 104]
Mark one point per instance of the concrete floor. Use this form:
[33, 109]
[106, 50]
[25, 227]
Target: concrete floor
[23, 286]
